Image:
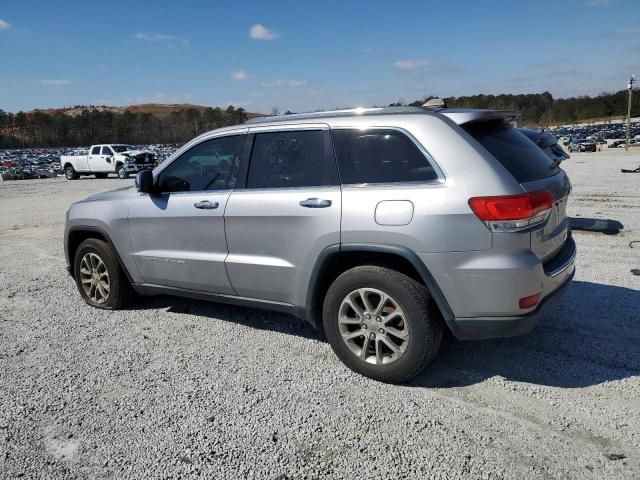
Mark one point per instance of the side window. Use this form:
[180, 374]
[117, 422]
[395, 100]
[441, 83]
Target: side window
[107, 151]
[95, 151]
[210, 165]
[379, 156]
[290, 159]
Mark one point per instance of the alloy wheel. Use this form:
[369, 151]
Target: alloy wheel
[373, 326]
[94, 278]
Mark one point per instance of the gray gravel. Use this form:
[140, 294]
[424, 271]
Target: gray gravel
[175, 388]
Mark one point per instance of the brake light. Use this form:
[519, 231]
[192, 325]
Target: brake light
[528, 302]
[513, 212]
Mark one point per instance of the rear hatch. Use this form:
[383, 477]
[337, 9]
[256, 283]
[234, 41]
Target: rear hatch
[534, 171]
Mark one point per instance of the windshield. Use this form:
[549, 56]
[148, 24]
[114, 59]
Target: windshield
[122, 148]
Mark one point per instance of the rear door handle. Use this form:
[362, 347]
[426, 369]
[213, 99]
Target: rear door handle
[206, 205]
[315, 203]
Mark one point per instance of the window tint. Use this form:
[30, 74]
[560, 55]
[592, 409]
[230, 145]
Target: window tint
[210, 165]
[290, 159]
[519, 155]
[107, 151]
[379, 156]
[95, 151]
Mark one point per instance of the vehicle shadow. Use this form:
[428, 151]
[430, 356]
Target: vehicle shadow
[249, 317]
[591, 338]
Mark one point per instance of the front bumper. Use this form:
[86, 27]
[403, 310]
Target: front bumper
[138, 167]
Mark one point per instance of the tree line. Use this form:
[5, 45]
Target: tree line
[542, 110]
[91, 125]
[39, 129]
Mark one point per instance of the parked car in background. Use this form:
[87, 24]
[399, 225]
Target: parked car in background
[547, 143]
[582, 145]
[101, 160]
[385, 226]
[617, 144]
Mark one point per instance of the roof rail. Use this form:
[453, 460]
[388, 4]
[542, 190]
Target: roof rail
[339, 113]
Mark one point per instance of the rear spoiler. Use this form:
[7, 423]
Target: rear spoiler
[463, 116]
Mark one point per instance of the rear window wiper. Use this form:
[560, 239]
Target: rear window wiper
[556, 163]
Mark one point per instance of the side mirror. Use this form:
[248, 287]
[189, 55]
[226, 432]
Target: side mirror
[144, 182]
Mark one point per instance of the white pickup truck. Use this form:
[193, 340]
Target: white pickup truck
[101, 160]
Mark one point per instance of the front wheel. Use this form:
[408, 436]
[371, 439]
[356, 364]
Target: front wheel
[382, 323]
[99, 277]
[122, 172]
[70, 173]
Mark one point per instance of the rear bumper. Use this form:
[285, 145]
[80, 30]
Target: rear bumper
[483, 288]
[480, 328]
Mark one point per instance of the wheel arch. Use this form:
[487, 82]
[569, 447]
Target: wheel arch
[77, 234]
[336, 259]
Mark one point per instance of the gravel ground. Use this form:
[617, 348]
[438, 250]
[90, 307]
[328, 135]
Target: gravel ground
[175, 388]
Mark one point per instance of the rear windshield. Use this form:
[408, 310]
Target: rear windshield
[519, 155]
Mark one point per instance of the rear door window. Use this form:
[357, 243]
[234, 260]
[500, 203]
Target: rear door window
[95, 151]
[524, 160]
[379, 156]
[290, 159]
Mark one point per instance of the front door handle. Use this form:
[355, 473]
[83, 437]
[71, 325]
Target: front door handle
[206, 205]
[315, 203]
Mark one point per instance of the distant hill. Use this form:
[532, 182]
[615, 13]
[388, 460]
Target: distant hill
[157, 109]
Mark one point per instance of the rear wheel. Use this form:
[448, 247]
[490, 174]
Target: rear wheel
[99, 277]
[381, 323]
[70, 173]
[122, 172]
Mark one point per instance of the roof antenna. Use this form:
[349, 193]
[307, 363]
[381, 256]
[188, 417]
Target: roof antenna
[435, 103]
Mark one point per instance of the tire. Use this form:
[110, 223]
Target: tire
[70, 173]
[99, 255]
[410, 300]
[122, 173]
[101, 175]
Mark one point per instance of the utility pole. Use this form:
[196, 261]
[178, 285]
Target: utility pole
[630, 87]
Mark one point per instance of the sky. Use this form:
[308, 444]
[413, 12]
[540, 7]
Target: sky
[303, 55]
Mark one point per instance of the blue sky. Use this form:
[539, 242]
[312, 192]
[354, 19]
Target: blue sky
[301, 55]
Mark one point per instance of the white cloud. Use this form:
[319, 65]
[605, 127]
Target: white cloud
[171, 40]
[55, 82]
[598, 3]
[260, 32]
[4, 24]
[285, 83]
[240, 75]
[411, 64]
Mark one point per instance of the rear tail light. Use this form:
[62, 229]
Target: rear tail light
[528, 302]
[512, 213]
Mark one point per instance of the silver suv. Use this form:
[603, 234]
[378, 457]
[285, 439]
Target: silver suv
[382, 226]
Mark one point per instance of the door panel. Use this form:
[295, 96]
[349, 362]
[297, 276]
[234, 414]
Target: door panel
[288, 212]
[274, 241]
[97, 163]
[177, 244]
